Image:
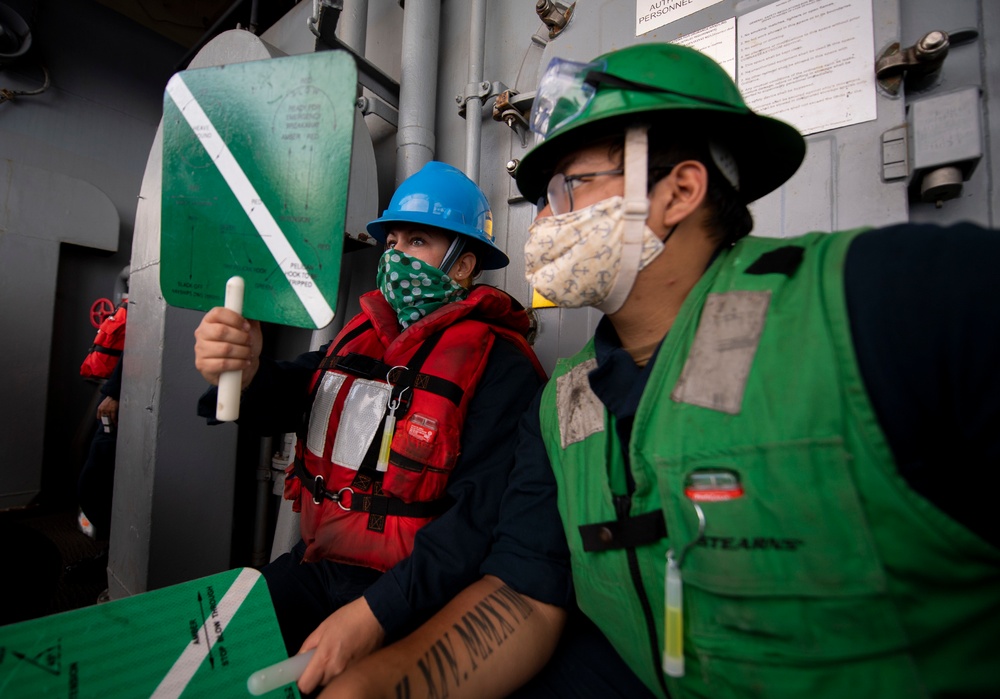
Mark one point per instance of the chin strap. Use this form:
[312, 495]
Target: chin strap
[636, 213]
[455, 251]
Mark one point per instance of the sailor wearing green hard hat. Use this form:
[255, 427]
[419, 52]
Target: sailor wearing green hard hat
[705, 545]
[732, 490]
[656, 105]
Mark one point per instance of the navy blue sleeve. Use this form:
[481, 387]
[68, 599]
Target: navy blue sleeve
[448, 551]
[276, 399]
[529, 550]
[112, 388]
[924, 306]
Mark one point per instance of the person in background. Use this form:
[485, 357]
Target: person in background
[769, 462]
[405, 426]
[95, 485]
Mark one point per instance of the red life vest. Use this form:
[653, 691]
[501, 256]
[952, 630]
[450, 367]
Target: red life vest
[352, 512]
[108, 345]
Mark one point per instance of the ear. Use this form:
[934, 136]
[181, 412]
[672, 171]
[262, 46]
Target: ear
[463, 268]
[678, 195]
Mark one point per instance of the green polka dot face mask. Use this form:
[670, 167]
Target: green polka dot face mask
[414, 288]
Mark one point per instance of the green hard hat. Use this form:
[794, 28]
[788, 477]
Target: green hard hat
[666, 86]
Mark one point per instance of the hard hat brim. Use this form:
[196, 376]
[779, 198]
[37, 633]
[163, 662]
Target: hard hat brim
[767, 151]
[489, 256]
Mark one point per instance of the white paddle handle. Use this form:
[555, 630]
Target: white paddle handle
[227, 408]
[279, 674]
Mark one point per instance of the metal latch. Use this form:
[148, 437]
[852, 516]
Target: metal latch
[553, 16]
[918, 63]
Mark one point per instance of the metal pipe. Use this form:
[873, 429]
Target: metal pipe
[260, 551]
[417, 86]
[352, 28]
[473, 105]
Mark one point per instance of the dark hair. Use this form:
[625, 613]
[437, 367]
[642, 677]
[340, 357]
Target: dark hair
[479, 250]
[728, 217]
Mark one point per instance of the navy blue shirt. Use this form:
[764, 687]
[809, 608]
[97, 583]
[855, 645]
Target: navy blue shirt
[448, 551]
[924, 309]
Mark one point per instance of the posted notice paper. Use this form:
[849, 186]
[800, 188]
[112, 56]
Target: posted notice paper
[809, 62]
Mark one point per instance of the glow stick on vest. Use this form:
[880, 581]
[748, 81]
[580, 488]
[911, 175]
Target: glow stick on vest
[702, 485]
[673, 625]
[636, 212]
[382, 465]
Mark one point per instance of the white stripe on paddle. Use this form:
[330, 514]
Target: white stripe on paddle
[317, 307]
[184, 668]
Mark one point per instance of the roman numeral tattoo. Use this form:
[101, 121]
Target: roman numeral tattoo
[480, 631]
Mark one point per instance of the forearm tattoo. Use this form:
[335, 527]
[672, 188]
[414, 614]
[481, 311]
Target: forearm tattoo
[467, 646]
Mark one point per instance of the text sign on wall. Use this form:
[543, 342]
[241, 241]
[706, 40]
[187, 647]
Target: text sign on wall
[809, 63]
[256, 159]
[650, 14]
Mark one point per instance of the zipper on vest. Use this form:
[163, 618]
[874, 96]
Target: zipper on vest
[622, 505]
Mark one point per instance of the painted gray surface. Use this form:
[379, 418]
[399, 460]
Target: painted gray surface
[976, 64]
[39, 210]
[89, 134]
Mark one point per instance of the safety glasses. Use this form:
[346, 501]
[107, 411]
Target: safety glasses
[567, 87]
[563, 93]
[559, 193]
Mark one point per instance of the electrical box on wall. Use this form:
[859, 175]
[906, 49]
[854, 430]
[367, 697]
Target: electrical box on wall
[946, 143]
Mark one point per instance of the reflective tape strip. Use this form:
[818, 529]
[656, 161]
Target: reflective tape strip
[185, 667]
[581, 412]
[316, 306]
[319, 417]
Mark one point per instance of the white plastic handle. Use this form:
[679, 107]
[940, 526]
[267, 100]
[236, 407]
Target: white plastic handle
[227, 408]
[279, 674]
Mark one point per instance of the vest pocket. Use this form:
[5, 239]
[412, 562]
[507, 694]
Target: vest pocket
[787, 572]
[424, 452]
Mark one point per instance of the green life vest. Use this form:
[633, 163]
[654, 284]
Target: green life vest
[828, 576]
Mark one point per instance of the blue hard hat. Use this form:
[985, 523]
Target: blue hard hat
[441, 196]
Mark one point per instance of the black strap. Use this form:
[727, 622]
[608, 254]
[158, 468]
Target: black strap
[626, 533]
[363, 327]
[400, 378]
[784, 260]
[106, 350]
[374, 503]
[596, 78]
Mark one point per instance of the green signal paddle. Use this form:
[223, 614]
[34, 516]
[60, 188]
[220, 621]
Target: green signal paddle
[256, 159]
[201, 638]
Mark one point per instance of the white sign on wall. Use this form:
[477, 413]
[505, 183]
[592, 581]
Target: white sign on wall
[650, 14]
[807, 62]
[718, 42]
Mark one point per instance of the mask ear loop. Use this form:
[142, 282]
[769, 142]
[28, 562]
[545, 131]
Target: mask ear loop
[635, 215]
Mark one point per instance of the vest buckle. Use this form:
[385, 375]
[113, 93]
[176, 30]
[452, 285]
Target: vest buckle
[319, 492]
